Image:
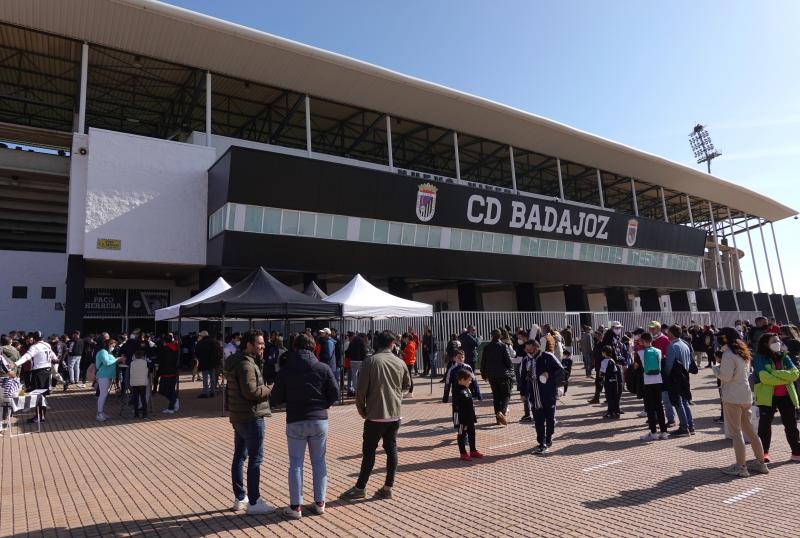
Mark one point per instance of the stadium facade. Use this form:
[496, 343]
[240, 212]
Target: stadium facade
[150, 149]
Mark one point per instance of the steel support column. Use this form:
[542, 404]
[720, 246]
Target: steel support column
[752, 252]
[633, 194]
[458, 161]
[600, 189]
[778, 255]
[308, 124]
[389, 142]
[208, 108]
[84, 81]
[560, 179]
[703, 262]
[720, 271]
[513, 170]
[739, 279]
[766, 254]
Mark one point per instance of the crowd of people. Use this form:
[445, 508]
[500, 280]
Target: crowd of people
[756, 367]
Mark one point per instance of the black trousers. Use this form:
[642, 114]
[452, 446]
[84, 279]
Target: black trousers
[139, 399]
[466, 432]
[786, 408]
[612, 396]
[654, 407]
[598, 385]
[545, 420]
[374, 432]
[501, 394]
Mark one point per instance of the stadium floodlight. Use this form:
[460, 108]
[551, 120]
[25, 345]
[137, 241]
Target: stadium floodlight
[702, 146]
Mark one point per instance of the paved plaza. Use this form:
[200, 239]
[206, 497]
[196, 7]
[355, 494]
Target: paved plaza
[169, 476]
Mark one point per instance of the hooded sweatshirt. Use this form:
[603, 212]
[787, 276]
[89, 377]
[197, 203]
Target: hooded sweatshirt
[306, 386]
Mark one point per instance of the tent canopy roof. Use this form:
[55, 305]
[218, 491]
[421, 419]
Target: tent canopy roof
[172, 312]
[312, 290]
[360, 299]
[262, 296]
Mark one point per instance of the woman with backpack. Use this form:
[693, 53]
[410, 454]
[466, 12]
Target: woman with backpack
[775, 375]
[733, 372]
[653, 385]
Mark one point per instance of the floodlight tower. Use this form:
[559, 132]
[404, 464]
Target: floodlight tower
[702, 146]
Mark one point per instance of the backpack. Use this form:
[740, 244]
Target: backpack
[651, 361]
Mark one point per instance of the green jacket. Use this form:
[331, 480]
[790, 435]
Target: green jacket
[382, 380]
[247, 394]
[768, 378]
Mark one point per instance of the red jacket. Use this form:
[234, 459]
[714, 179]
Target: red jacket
[410, 353]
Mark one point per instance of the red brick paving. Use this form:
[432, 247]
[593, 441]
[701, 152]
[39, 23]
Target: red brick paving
[169, 476]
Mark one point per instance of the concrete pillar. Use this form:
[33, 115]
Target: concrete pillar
[679, 301]
[650, 300]
[616, 299]
[575, 299]
[469, 297]
[527, 297]
[76, 281]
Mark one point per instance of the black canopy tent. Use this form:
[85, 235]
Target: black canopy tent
[260, 296]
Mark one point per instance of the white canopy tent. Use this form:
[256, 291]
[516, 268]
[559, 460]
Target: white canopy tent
[172, 312]
[360, 299]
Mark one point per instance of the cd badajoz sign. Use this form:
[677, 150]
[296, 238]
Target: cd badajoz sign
[457, 206]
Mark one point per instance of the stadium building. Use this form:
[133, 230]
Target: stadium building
[148, 149]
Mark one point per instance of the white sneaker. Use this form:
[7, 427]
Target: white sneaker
[292, 514]
[177, 405]
[260, 507]
[735, 470]
[82, 385]
[238, 505]
[758, 467]
[101, 417]
[642, 414]
[649, 436]
[318, 509]
[663, 436]
[168, 412]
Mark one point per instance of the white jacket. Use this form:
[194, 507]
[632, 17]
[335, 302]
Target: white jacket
[138, 373]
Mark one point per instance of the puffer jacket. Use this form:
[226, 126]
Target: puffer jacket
[306, 386]
[496, 362]
[768, 378]
[247, 394]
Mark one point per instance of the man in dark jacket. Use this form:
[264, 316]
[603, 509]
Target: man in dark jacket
[327, 351]
[470, 342]
[209, 354]
[308, 388]
[496, 367]
[247, 398]
[542, 375]
[168, 358]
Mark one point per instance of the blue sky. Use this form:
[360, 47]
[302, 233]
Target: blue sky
[640, 73]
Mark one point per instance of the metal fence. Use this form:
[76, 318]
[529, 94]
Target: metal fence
[729, 319]
[632, 320]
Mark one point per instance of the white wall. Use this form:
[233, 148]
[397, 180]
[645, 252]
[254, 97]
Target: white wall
[34, 270]
[597, 302]
[553, 301]
[499, 301]
[151, 194]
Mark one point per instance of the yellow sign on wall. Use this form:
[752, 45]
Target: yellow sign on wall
[109, 244]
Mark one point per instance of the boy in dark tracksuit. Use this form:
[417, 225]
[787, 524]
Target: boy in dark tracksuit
[464, 418]
[612, 382]
[451, 378]
[566, 362]
[542, 374]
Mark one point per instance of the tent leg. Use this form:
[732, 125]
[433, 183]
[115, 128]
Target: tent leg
[179, 340]
[225, 383]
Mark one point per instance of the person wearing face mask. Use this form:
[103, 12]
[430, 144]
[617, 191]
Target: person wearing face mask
[105, 372]
[733, 374]
[382, 380]
[775, 375]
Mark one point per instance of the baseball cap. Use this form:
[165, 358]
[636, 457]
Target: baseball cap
[615, 324]
[654, 325]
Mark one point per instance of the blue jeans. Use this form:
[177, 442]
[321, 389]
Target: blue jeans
[313, 433]
[74, 368]
[248, 443]
[685, 420]
[209, 381]
[668, 410]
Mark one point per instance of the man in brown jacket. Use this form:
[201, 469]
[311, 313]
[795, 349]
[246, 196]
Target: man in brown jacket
[382, 380]
[247, 397]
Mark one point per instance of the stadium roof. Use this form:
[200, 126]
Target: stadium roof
[184, 37]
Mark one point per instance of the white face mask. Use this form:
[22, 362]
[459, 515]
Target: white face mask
[739, 328]
[775, 347]
[617, 330]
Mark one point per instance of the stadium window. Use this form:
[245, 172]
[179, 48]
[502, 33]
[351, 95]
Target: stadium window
[272, 222]
[455, 239]
[19, 292]
[435, 237]
[421, 239]
[366, 231]
[253, 216]
[409, 232]
[381, 232]
[48, 292]
[307, 224]
[534, 248]
[339, 227]
[290, 222]
[395, 233]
